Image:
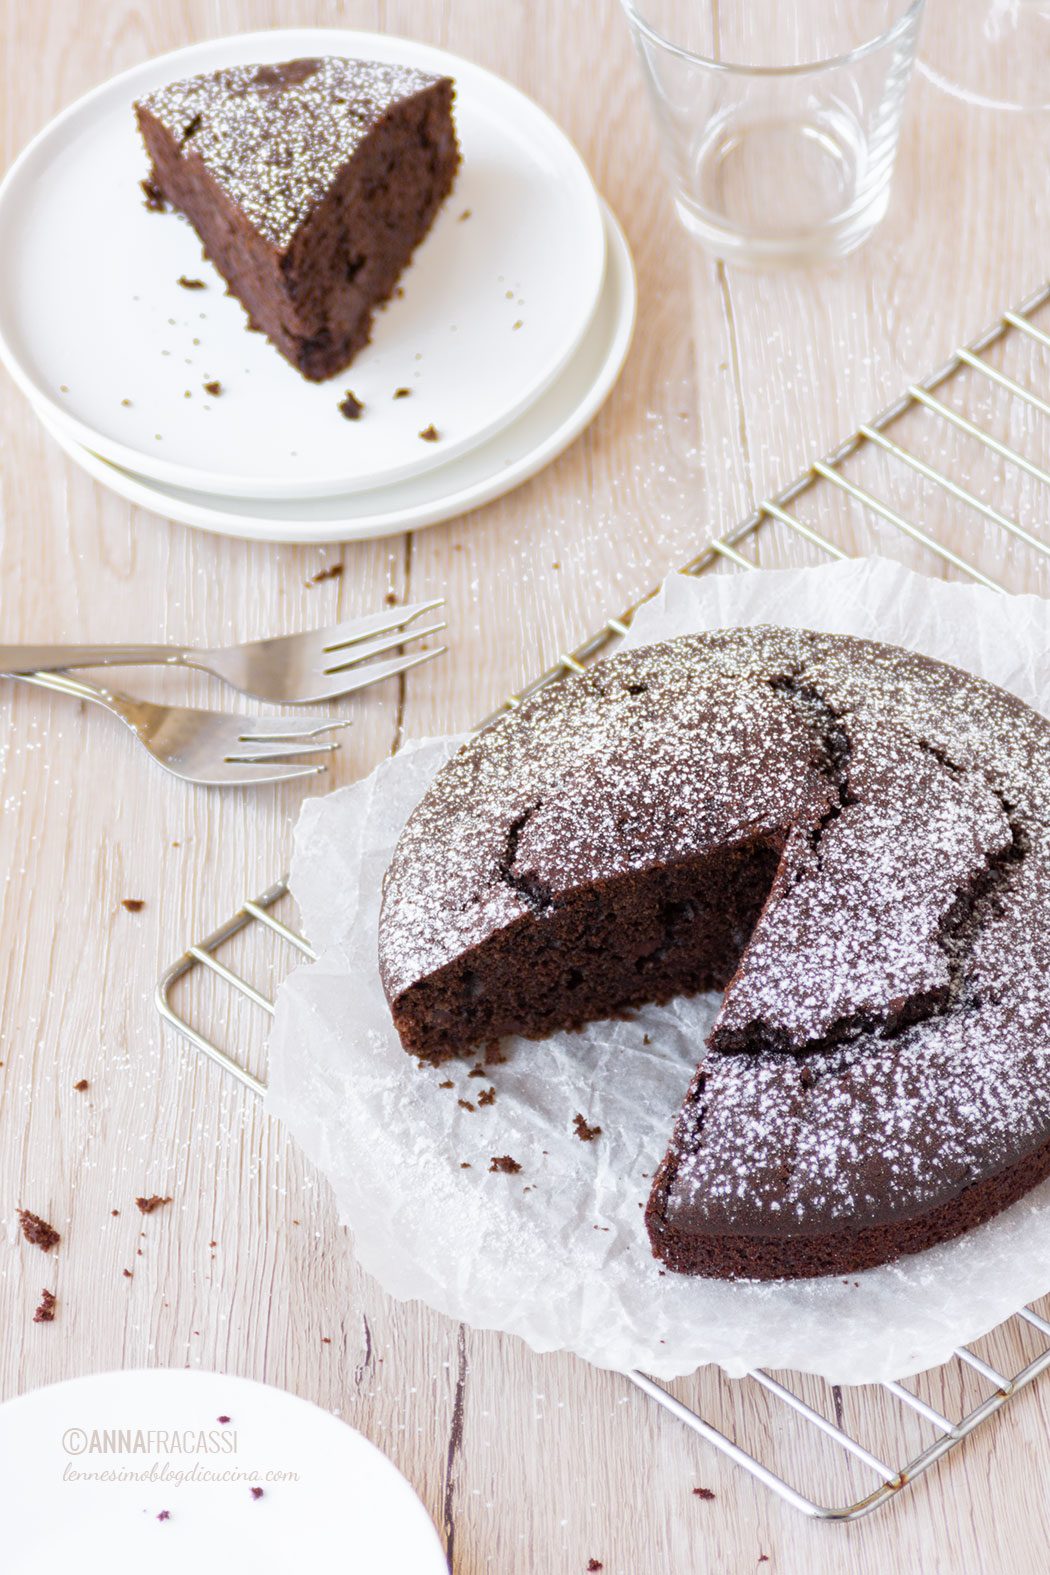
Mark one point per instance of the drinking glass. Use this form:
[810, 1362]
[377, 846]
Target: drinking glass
[779, 119]
[995, 53]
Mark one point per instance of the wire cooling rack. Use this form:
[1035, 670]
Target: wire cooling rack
[962, 437]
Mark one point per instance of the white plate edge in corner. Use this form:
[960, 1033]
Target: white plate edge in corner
[63, 1426]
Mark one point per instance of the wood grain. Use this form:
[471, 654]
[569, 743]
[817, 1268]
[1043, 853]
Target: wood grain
[735, 382]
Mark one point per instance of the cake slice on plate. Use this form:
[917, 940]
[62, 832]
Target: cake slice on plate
[310, 183]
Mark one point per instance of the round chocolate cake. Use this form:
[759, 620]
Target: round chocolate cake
[850, 842]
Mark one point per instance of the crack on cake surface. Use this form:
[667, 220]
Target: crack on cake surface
[941, 756]
[191, 130]
[834, 742]
[535, 892]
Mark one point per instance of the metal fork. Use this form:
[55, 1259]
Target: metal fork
[293, 669]
[209, 747]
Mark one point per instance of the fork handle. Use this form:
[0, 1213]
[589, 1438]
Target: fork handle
[79, 688]
[21, 659]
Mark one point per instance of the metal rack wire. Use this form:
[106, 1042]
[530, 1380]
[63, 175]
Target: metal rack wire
[1021, 1346]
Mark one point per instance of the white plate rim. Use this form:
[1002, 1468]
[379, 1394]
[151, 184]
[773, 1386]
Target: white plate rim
[145, 1378]
[207, 517]
[144, 463]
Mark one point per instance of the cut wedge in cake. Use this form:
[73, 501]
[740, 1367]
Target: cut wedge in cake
[310, 183]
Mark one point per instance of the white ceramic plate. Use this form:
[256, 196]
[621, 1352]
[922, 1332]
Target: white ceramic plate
[340, 1505]
[89, 299]
[486, 472]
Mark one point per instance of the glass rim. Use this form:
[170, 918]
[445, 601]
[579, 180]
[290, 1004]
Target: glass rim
[734, 68]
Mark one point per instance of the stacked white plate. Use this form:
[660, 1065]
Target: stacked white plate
[510, 327]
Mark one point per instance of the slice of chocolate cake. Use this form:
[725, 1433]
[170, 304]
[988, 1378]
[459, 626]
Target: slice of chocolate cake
[310, 183]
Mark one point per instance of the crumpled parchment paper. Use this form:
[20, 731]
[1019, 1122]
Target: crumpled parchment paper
[557, 1253]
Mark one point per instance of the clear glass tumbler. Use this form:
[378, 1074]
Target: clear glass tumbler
[994, 53]
[779, 118]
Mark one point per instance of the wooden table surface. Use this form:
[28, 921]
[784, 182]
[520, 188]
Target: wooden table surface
[526, 1463]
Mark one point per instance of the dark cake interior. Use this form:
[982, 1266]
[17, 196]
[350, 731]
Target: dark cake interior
[620, 943]
[850, 841]
[310, 183]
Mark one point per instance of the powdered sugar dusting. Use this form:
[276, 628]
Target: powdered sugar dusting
[275, 137]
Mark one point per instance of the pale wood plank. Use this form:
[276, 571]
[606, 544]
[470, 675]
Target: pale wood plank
[556, 1463]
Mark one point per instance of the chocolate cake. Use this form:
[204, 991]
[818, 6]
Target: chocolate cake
[850, 842]
[310, 183]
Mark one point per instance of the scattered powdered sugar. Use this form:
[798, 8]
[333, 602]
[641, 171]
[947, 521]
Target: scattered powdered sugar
[567, 1235]
[275, 137]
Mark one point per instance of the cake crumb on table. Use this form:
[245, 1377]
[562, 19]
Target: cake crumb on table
[429, 434]
[165, 1514]
[190, 284]
[133, 904]
[487, 1096]
[585, 1133]
[82, 1086]
[45, 1313]
[351, 407]
[402, 393]
[465, 1104]
[504, 1163]
[257, 1492]
[704, 1493]
[37, 1231]
[331, 571]
[148, 1205]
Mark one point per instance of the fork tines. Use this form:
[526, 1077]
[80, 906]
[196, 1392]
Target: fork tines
[356, 629]
[340, 659]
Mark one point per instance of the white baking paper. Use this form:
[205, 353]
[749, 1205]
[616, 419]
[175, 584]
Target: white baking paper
[558, 1253]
